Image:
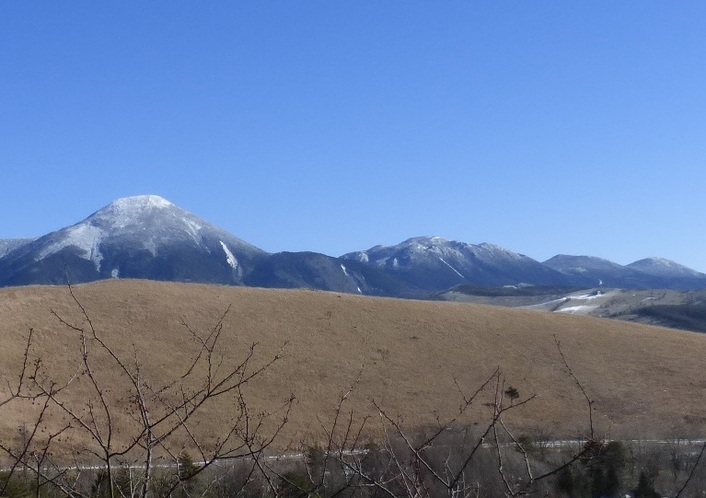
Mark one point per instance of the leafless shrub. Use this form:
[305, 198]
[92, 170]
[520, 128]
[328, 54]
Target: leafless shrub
[161, 421]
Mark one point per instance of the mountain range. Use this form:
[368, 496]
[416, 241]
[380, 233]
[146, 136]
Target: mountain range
[148, 237]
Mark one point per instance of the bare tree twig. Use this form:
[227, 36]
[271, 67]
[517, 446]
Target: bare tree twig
[589, 402]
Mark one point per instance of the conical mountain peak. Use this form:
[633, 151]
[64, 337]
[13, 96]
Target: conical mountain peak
[141, 202]
[144, 236]
[130, 210]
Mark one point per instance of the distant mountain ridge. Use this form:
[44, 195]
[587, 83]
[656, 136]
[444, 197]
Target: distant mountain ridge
[148, 237]
[658, 273]
[435, 264]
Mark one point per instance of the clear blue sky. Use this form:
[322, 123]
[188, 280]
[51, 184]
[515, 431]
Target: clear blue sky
[545, 127]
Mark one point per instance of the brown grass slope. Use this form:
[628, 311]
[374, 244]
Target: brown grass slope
[645, 381]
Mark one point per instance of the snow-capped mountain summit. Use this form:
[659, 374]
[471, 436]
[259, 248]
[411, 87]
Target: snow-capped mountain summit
[436, 263]
[140, 237]
[130, 211]
[153, 223]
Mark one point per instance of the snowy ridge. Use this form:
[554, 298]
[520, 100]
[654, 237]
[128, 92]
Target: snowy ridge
[9, 245]
[87, 238]
[129, 210]
[425, 261]
[420, 249]
[120, 217]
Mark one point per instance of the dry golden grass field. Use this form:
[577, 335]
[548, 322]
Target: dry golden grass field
[645, 381]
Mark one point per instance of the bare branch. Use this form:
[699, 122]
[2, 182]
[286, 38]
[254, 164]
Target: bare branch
[580, 386]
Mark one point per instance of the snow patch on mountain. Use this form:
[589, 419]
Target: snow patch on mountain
[136, 203]
[130, 210]
[151, 245]
[496, 250]
[344, 271]
[585, 303]
[581, 309]
[193, 229]
[85, 237]
[437, 246]
[229, 256]
[9, 245]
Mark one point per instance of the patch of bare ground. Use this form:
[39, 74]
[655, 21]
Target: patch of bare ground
[410, 355]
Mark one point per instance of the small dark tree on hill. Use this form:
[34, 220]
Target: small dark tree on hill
[645, 488]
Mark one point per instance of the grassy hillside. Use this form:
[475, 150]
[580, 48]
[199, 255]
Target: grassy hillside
[645, 381]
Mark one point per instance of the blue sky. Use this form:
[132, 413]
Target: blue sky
[545, 127]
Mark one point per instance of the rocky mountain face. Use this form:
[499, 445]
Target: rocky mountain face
[149, 237]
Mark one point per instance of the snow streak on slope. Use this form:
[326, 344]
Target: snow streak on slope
[454, 269]
[229, 256]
